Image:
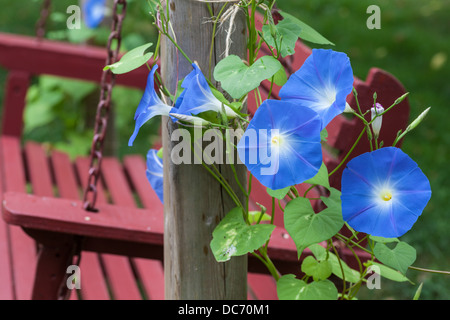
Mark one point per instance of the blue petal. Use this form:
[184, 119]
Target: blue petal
[197, 96]
[149, 106]
[94, 11]
[299, 155]
[322, 84]
[384, 169]
[154, 173]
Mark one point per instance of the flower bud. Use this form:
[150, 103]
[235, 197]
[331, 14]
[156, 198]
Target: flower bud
[376, 110]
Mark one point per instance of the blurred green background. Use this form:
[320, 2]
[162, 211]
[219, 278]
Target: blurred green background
[413, 44]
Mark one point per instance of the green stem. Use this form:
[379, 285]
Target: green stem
[429, 270]
[348, 153]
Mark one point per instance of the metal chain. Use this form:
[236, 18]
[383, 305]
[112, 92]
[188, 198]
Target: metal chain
[40, 25]
[101, 119]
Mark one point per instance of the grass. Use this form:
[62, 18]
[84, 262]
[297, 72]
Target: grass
[412, 44]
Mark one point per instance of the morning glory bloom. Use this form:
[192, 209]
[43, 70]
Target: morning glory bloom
[149, 106]
[383, 192]
[322, 84]
[94, 11]
[154, 172]
[197, 96]
[281, 146]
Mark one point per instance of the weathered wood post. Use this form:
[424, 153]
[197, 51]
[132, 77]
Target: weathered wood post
[194, 201]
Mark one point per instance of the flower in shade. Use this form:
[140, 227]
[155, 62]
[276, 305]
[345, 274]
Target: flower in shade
[383, 192]
[281, 145]
[322, 84]
[154, 172]
[149, 106]
[94, 11]
[197, 96]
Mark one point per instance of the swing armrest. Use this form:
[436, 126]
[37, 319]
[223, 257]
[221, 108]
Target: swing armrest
[121, 230]
[68, 216]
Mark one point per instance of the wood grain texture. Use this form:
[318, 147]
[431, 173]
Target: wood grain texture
[195, 202]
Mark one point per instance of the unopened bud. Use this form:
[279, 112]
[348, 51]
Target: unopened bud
[196, 121]
[348, 109]
[418, 120]
[377, 118]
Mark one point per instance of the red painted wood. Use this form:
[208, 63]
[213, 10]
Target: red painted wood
[263, 286]
[83, 62]
[64, 176]
[6, 276]
[23, 248]
[135, 168]
[115, 222]
[117, 268]
[93, 282]
[14, 102]
[120, 189]
[38, 170]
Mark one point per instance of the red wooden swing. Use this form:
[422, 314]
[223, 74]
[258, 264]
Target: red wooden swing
[44, 230]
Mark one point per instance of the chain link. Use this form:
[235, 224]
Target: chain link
[101, 119]
[40, 25]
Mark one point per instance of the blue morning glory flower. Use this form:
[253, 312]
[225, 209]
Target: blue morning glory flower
[197, 96]
[94, 11]
[281, 145]
[149, 106]
[322, 84]
[154, 172]
[383, 192]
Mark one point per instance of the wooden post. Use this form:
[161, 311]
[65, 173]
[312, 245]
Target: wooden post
[194, 201]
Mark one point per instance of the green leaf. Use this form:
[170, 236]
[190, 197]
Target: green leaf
[131, 60]
[418, 292]
[306, 227]
[321, 178]
[383, 240]
[255, 216]
[324, 135]
[238, 79]
[399, 258]
[389, 273]
[280, 78]
[282, 36]
[307, 33]
[279, 194]
[290, 288]
[233, 237]
[350, 274]
[319, 270]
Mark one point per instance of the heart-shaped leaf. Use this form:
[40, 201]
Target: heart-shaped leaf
[306, 227]
[131, 60]
[279, 194]
[233, 237]
[290, 288]
[282, 36]
[307, 33]
[321, 177]
[238, 79]
[399, 258]
[319, 270]
[337, 266]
